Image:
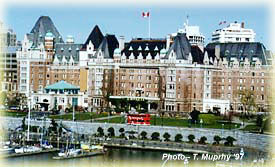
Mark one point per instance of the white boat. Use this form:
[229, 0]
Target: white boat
[70, 152]
[46, 146]
[6, 149]
[28, 149]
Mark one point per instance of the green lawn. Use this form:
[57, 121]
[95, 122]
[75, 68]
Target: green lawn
[210, 121]
[13, 113]
[79, 116]
[113, 120]
[251, 128]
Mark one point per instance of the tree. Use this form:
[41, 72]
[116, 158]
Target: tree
[194, 115]
[229, 141]
[178, 138]
[247, 100]
[121, 131]
[217, 140]
[23, 124]
[155, 136]
[191, 138]
[166, 136]
[111, 132]
[3, 98]
[100, 132]
[259, 120]
[143, 135]
[53, 126]
[202, 140]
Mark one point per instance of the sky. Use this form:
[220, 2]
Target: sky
[127, 21]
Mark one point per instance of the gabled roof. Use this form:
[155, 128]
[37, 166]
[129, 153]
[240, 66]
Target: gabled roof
[239, 50]
[67, 50]
[61, 85]
[108, 45]
[180, 46]
[140, 45]
[197, 54]
[43, 25]
[95, 36]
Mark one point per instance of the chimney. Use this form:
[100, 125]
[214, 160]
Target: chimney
[242, 25]
[168, 41]
[121, 42]
[218, 52]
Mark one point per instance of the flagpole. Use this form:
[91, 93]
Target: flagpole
[149, 25]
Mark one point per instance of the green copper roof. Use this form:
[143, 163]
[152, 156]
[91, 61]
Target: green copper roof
[61, 85]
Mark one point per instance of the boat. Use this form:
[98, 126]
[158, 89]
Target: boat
[71, 152]
[6, 150]
[27, 149]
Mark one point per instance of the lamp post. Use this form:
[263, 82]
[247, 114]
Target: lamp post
[222, 128]
[29, 119]
[201, 122]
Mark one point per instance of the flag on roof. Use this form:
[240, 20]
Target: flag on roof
[222, 22]
[145, 14]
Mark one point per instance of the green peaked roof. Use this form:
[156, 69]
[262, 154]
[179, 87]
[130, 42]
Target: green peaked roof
[61, 85]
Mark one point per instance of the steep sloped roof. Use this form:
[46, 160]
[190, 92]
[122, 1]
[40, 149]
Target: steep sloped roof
[108, 45]
[180, 46]
[197, 54]
[67, 50]
[239, 50]
[95, 37]
[144, 46]
[43, 25]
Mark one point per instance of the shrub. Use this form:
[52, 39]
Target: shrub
[217, 140]
[166, 136]
[111, 132]
[229, 141]
[202, 140]
[178, 138]
[143, 135]
[191, 138]
[100, 132]
[121, 131]
[155, 136]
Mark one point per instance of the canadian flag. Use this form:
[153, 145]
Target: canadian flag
[145, 14]
[222, 22]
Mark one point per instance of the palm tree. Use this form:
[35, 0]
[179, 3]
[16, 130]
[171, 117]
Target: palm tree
[178, 138]
[166, 136]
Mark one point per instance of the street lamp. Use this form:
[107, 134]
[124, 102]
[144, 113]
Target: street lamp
[222, 128]
[29, 119]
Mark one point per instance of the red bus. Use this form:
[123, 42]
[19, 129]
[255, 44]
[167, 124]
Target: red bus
[138, 119]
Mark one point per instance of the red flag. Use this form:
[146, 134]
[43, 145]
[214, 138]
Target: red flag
[145, 14]
[222, 22]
